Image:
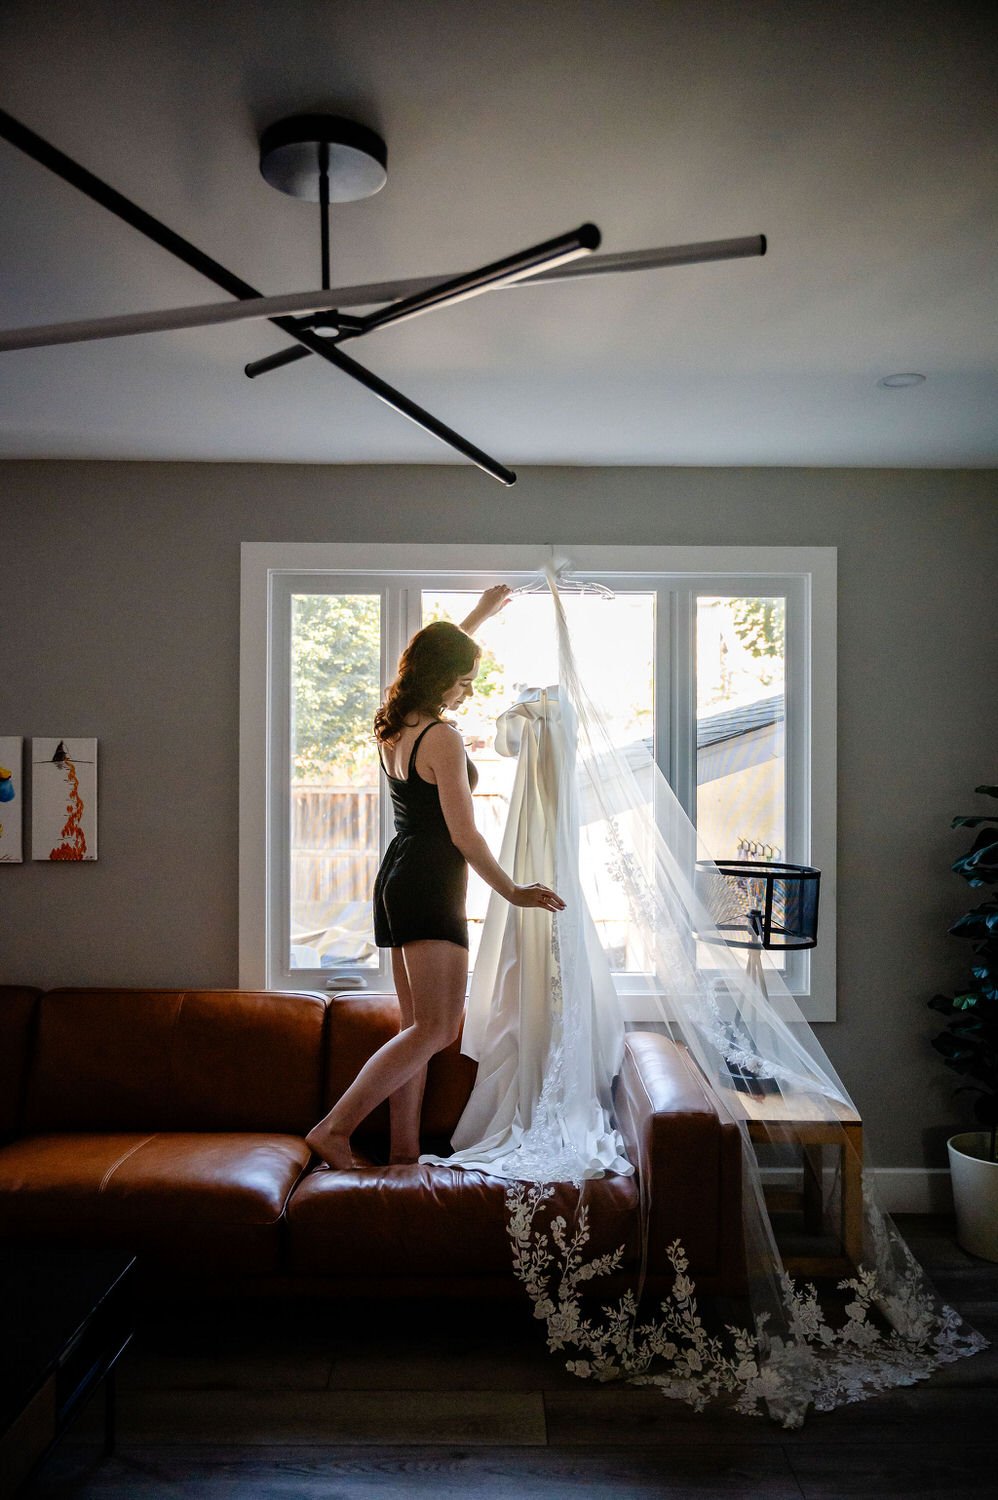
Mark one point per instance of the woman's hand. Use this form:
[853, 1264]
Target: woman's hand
[537, 895]
[492, 601]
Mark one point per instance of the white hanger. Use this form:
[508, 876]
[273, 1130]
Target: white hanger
[565, 581]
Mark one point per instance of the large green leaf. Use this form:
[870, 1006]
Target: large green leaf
[971, 1030]
[979, 866]
[983, 1003]
[953, 1050]
[987, 980]
[979, 923]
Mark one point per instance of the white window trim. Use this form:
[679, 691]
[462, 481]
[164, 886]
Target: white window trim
[813, 570]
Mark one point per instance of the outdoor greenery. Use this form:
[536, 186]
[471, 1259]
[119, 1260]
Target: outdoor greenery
[759, 624]
[969, 1043]
[336, 664]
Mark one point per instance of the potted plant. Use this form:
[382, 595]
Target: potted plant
[969, 1044]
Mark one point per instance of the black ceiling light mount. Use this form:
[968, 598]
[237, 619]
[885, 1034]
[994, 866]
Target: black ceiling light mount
[322, 159]
[328, 159]
[299, 153]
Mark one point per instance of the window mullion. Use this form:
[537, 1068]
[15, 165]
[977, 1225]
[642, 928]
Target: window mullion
[682, 687]
[797, 753]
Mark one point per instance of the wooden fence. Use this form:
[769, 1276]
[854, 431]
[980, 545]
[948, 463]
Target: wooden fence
[334, 843]
[334, 840]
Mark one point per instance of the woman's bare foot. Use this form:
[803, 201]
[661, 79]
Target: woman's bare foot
[334, 1149]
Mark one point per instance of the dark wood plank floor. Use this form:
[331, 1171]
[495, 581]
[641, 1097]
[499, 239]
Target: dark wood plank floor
[360, 1404]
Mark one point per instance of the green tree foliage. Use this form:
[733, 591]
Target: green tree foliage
[336, 669]
[759, 624]
[336, 666]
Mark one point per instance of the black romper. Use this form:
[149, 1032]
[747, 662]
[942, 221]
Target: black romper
[421, 887]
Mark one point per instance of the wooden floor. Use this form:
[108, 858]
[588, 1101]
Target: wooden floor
[306, 1402]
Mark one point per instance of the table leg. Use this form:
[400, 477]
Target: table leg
[814, 1189]
[852, 1195]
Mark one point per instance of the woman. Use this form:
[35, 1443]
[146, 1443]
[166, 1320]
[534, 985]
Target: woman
[419, 894]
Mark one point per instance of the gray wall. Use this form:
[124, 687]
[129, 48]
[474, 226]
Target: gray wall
[119, 617]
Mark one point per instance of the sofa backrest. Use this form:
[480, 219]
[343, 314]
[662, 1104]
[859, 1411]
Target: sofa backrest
[357, 1026]
[176, 1060]
[17, 1013]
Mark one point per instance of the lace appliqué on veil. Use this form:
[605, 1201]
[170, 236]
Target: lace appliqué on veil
[814, 1365]
[885, 1327]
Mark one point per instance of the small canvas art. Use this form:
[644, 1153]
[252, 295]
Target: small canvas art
[11, 800]
[63, 799]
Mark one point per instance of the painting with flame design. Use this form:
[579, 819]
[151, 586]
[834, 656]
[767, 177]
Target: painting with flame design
[11, 799]
[63, 799]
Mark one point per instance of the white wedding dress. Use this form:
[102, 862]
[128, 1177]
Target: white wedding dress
[545, 1024]
[547, 1056]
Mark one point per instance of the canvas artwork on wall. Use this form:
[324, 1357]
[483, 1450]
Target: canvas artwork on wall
[11, 800]
[63, 799]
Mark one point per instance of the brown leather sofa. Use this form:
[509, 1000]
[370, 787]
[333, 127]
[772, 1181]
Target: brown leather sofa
[172, 1123]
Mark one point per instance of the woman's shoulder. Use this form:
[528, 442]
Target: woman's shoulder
[439, 749]
[453, 738]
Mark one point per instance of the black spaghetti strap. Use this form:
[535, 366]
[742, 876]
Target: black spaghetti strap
[416, 744]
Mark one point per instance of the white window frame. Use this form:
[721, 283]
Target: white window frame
[806, 576]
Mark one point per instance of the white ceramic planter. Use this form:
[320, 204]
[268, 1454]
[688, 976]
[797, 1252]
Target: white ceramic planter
[975, 1193]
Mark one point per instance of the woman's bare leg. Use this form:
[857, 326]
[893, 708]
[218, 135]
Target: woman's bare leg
[438, 975]
[406, 1104]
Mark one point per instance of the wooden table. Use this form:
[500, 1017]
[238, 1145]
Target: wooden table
[65, 1318]
[800, 1121]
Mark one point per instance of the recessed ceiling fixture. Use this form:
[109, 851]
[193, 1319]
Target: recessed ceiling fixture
[900, 382]
[327, 159]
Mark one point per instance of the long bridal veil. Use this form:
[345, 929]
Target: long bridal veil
[600, 822]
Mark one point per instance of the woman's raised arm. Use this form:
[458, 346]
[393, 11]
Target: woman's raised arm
[491, 602]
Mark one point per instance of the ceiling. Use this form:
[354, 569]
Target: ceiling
[860, 138]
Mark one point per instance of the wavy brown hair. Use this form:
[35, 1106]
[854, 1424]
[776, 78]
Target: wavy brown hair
[432, 662]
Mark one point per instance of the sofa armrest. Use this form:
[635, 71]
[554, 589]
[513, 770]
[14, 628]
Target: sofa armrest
[689, 1161]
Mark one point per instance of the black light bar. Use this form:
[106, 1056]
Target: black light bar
[108, 197]
[549, 253]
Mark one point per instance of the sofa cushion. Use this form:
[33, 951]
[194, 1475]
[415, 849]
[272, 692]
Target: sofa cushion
[179, 1201]
[357, 1026]
[434, 1222]
[17, 1011]
[112, 1060]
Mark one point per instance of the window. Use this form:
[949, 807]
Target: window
[723, 659]
[333, 822]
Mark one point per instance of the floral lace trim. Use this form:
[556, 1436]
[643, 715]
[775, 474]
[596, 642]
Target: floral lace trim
[813, 1364]
[731, 1040]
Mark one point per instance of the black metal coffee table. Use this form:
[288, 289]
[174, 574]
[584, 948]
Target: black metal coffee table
[65, 1318]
